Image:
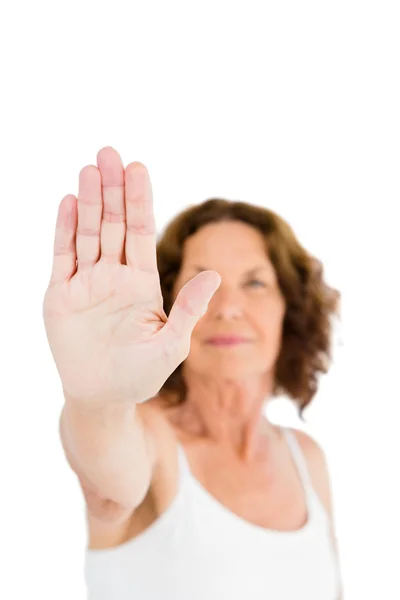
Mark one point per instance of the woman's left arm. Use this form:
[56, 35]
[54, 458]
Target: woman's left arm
[319, 473]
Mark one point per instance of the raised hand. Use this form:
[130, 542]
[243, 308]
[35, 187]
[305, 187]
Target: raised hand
[103, 309]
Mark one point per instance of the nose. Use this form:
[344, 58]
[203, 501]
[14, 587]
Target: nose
[226, 304]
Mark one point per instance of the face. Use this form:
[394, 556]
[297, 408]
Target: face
[247, 304]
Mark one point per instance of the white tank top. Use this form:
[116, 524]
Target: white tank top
[200, 550]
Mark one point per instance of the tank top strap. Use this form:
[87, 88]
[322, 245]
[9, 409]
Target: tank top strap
[300, 462]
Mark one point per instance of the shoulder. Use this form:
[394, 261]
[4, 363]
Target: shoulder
[317, 465]
[319, 473]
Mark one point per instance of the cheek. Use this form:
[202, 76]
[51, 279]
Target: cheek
[200, 329]
[271, 320]
[271, 328]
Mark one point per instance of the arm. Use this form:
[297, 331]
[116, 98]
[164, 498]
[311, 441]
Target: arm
[110, 338]
[113, 452]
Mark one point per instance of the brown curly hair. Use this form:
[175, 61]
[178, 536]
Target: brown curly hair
[310, 303]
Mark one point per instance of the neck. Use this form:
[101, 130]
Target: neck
[229, 412]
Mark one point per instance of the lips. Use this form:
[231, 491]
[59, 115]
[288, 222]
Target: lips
[226, 340]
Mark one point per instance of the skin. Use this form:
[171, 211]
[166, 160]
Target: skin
[228, 387]
[228, 440]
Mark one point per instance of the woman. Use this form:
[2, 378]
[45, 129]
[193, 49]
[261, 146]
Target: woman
[167, 357]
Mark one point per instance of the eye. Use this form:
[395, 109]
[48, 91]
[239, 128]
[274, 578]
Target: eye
[257, 282]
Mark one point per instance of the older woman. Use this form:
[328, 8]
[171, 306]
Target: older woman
[167, 356]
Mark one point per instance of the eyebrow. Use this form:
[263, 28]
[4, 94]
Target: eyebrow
[250, 272]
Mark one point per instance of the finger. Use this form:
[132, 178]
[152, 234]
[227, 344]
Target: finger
[113, 224]
[90, 206]
[140, 243]
[64, 256]
[190, 305]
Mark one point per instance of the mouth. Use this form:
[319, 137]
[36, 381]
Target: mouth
[226, 341]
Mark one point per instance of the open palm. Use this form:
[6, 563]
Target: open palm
[103, 308]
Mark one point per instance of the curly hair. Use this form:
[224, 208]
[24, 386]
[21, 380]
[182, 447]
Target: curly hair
[306, 348]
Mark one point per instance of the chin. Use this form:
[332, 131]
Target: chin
[230, 369]
[230, 365]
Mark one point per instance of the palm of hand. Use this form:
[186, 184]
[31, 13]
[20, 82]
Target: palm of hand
[103, 309]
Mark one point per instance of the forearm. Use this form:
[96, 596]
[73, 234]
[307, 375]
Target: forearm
[110, 447]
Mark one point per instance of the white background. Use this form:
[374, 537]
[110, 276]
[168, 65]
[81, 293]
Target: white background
[294, 106]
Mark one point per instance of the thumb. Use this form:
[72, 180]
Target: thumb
[191, 304]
